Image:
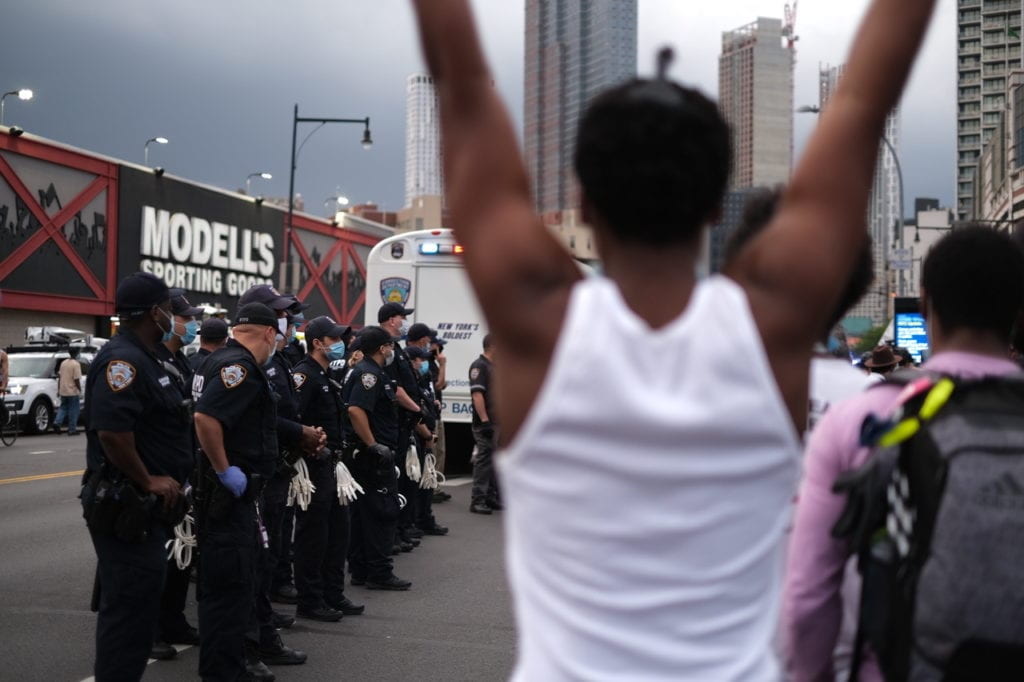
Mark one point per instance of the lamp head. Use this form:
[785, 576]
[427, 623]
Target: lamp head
[367, 140]
[161, 140]
[266, 176]
[25, 94]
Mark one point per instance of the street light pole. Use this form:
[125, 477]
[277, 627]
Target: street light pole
[23, 94]
[248, 180]
[145, 148]
[296, 120]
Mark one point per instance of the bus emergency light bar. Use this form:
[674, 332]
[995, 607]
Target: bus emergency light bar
[436, 249]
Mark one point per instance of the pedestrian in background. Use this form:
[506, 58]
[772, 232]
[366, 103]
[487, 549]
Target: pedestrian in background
[69, 388]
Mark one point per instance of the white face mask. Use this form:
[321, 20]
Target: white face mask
[389, 358]
[404, 329]
[282, 326]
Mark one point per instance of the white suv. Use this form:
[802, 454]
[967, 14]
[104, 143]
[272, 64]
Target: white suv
[32, 387]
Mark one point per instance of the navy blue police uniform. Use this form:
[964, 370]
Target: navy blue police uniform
[236, 392]
[424, 498]
[275, 568]
[375, 514]
[128, 390]
[401, 373]
[322, 530]
[485, 483]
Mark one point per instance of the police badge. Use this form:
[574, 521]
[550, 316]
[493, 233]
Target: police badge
[120, 375]
[369, 380]
[232, 375]
[395, 290]
[298, 379]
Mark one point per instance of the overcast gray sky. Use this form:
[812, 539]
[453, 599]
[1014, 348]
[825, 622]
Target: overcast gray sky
[219, 79]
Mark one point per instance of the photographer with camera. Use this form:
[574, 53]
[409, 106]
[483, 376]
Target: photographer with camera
[371, 436]
[139, 455]
[236, 423]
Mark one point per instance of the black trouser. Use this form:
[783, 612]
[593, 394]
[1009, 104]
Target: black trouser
[172, 601]
[284, 551]
[131, 581]
[406, 486]
[227, 574]
[272, 508]
[321, 541]
[374, 515]
[485, 483]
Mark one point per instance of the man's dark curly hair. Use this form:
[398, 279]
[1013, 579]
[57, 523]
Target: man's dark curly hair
[653, 159]
[974, 279]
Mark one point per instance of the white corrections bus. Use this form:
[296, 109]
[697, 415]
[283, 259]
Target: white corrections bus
[423, 271]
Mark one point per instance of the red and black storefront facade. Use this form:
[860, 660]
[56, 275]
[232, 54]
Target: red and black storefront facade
[72, 224]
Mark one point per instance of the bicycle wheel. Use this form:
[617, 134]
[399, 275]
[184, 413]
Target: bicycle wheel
[9, 428]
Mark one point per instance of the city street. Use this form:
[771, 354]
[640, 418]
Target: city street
[454, 624]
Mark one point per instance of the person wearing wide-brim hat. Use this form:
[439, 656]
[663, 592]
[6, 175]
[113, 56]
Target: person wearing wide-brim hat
[882, 361]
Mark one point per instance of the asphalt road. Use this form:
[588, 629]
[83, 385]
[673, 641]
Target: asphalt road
[454, 624]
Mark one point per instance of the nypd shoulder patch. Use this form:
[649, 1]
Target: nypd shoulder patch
[474, 373]
[369, 380]
[120, 375]
[298, 378]
[232, 375]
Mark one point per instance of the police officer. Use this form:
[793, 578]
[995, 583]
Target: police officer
[371, 437]
[392, 318]
[236, 426]
[322, 530]
[485, 497]
[173, 627]
[292, 438]
[213, 334]
[424, 434]
[139, 454]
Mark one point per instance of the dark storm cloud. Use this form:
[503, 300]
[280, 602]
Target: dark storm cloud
[219, 78]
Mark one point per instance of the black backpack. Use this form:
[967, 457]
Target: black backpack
[936, 518]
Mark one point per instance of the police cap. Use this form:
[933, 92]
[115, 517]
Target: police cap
[255, 313]
[372, 338]
[322, 326]
[419, 331]
[181, 307]
[389, 310]
[141, 291]
[213, 329]
[416, 352]
[268, 296]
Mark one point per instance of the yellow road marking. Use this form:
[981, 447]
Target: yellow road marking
[40, 477]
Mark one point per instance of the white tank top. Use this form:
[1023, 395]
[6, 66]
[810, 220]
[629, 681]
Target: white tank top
[647, 494]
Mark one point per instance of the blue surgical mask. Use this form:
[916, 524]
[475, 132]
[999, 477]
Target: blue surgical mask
[169, 334]
[336, 351]
[191, 330]
[424, 367]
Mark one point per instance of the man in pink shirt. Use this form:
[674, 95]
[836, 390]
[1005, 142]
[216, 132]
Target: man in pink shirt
[972, 288]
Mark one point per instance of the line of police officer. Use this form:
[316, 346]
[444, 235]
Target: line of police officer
[254, 419]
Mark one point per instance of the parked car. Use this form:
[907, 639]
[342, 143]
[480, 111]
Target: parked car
[32, 387]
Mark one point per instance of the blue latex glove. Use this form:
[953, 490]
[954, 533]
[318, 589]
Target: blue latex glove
[234, 480]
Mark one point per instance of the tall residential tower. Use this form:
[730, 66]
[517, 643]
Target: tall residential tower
[755, 94]
[422, 139]
[988, 48]
[574, 50]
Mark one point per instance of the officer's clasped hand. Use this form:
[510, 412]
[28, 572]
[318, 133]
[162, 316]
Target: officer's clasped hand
[164, 487]
[233, 479]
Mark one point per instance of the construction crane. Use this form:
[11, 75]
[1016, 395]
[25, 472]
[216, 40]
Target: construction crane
[789, 26]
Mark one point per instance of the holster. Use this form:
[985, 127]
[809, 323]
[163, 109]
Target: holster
[116, 508]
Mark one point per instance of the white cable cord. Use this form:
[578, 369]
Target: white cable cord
[301, 488]
[348, 487]
[432, 478]
[412, 463]
[180, 547]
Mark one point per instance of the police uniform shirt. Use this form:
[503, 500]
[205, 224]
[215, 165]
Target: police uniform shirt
[430, 409]
[198, 359]
[236, 392]
[318, 403]
[369, 388]
[401, 371]
[289, 430]
[177, 366]
[480, 382]
[128, 390]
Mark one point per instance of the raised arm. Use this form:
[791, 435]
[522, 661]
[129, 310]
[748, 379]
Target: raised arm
[795, 271]
[519, 271]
